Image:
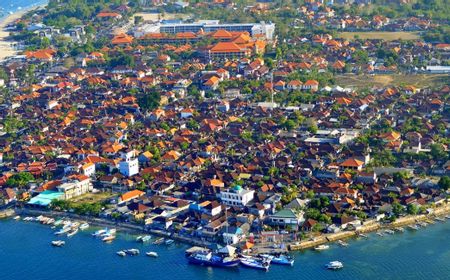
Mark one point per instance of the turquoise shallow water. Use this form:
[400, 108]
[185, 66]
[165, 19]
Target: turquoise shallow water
[25, 253]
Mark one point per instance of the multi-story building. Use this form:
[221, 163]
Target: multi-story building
[237, 196]
[75, 186]
[264, 29]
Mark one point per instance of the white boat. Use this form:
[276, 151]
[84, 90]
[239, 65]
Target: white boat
[84, 226]
[379, 233]
[400, 229]
[363, 235]
[99, 232]
[72, 233]
[17, 218]
[342, 243]
[321, 247]
[423, 224]
[132, 252]
[58, 243]
[62, 231]
[152, 254]
[169, 241]
[447, 217]
[389, 231]
[109, 238]
[334, 265]
[146, 238]
[158, 241]
[139, 238]
[255, 263]
[121, 253]
[58, 222]
[413, 227]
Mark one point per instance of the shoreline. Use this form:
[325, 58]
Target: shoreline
[371, 227]
[6, 46]
[302, 245]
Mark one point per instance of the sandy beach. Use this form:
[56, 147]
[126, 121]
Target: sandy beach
[6, 48]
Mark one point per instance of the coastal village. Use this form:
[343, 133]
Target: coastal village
[208, 131]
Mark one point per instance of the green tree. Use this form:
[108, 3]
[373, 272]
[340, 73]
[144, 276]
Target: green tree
[20, 180]
[444, 183]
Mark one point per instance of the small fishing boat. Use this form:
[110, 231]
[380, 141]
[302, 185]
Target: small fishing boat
[158, 241]
[145, 238]
[342, 243]
[72, 232]
[363, 235]
[152, 254]
[17, 218]
[280, 259]
[169, 241]
[84, 226]
[334, 265]
[251, 262]
[413, 227]
[447, 217]
[389, 231]
[121, 253]
[423, 224]
[99, 232]
[322, 247]
[400, 229]
[206, 257]
[379, 233]
[58, 243]
[132, 252]
[109, 238]
[139, 238]
[62, 231]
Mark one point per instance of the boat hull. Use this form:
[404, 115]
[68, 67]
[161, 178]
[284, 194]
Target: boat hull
[233, 263]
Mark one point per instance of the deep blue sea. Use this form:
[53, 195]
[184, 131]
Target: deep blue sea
[7, 6]
[26, 253]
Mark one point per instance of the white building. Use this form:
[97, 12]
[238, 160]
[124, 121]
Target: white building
[129, 168]
[237, 196]
[75, 186]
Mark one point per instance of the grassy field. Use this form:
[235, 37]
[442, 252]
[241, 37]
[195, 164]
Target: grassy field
[364, 81]
[387, 36]
[91, 197]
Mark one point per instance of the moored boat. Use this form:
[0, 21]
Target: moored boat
[334, 265]
[158, 241]
[399, 229]
[169, 241]
[72, 232]
[84, 226]
[58, 243]
[109, 238]
[62, 231]
[99, 232]
[17, 218]
[121, 253]
[322, 247]
[146, 238]
[251, 262]
[152, 254]
[342, 243]
[209, 259]
[132, 252]
[413, 227]
[389, 231]
[280, 259]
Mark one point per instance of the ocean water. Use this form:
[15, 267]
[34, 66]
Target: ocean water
[26, 253]
[7, 6]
